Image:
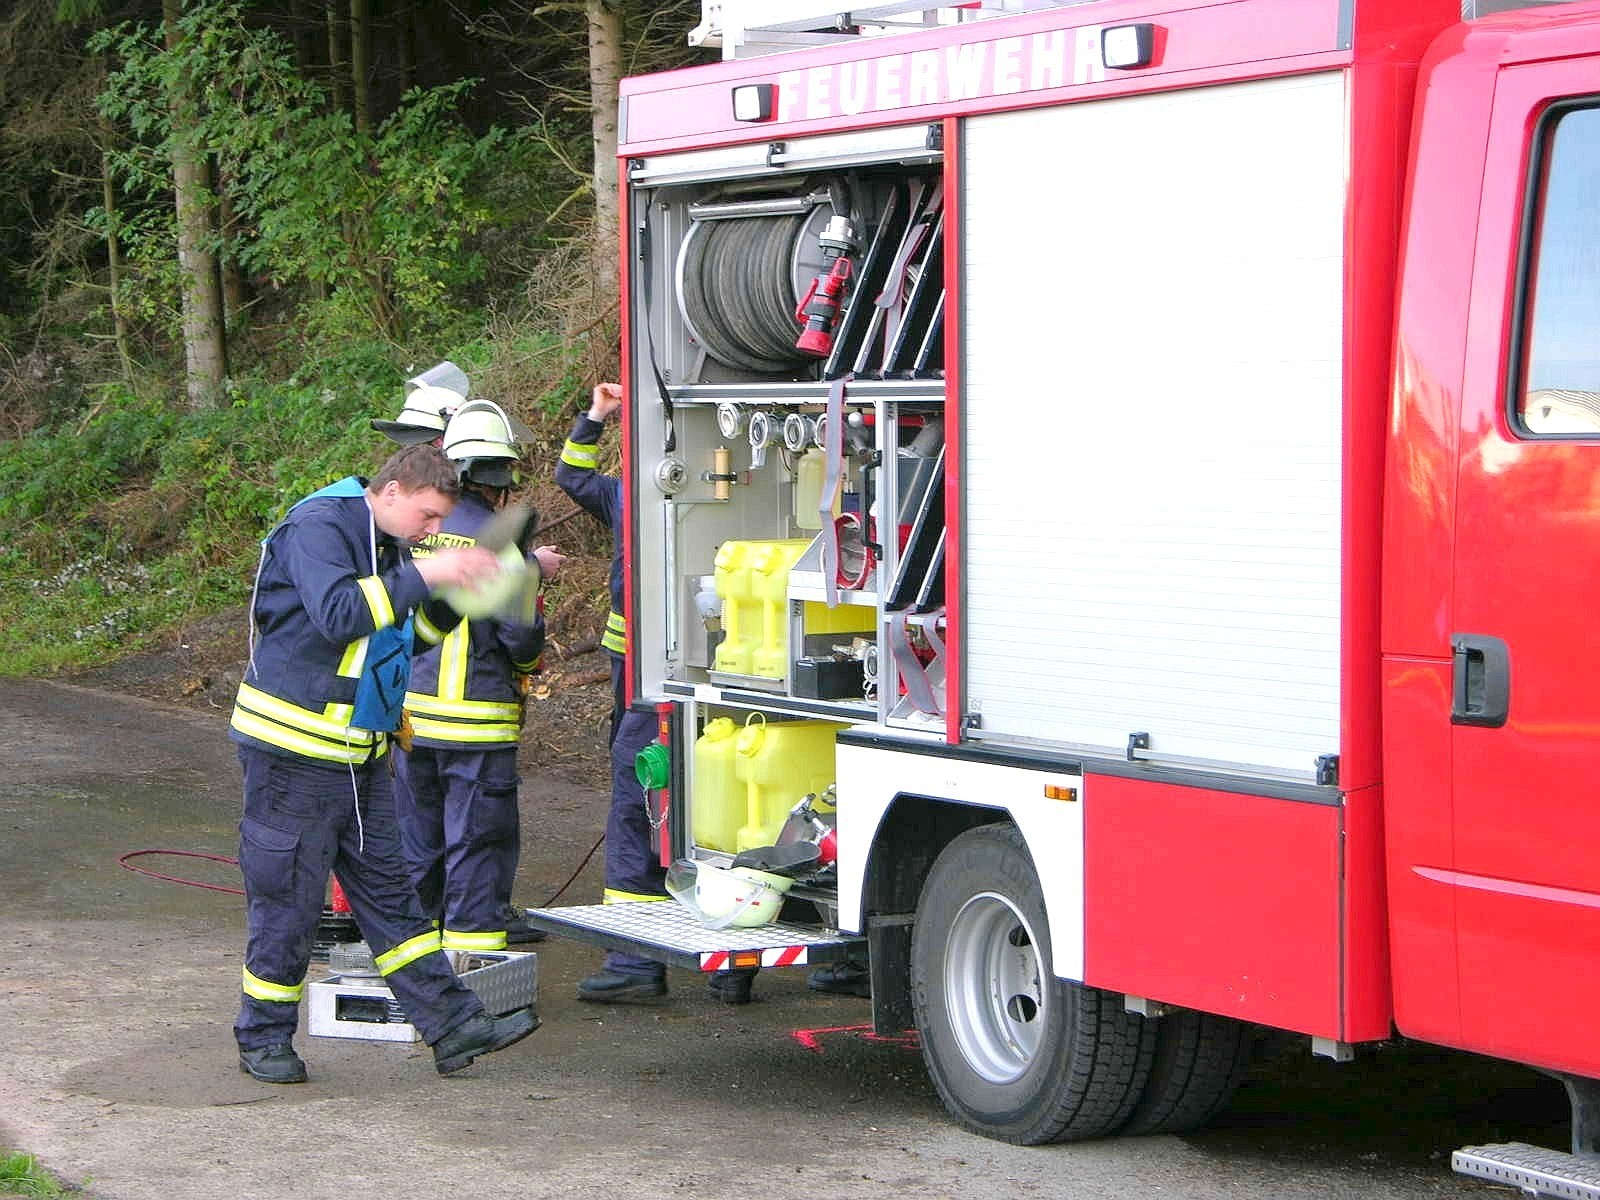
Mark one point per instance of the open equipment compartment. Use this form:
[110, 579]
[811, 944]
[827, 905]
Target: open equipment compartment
[778, 283]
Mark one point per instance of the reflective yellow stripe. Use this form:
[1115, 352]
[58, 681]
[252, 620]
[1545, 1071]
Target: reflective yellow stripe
[426, 629]
[280, 993]
[354, 658]
[612, 896]
[303, 719]
[479, 710]
[407, 952]
[309, 745]
[580, 454]
[454, 652]
[616, 634]
[461, 731]
[377, 601]
[304, 745]
[456, 939]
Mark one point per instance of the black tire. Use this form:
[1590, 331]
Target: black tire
[1015, 1053]
[1200, 1059]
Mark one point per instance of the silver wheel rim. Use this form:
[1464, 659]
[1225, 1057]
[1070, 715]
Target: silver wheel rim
[994, 986]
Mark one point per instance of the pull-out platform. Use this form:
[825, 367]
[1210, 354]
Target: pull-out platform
[1532, 1170]
[669, 932]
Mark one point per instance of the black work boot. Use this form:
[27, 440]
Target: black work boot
[618, 987]
[481, 1034]
[273, 1064]
[518, 931]
[733, 986]
[844, 978]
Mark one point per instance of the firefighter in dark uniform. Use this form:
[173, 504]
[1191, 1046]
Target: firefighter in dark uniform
[337, 608]
[456, 786]
[633, 866]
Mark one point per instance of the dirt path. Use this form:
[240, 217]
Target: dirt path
[118, 1068]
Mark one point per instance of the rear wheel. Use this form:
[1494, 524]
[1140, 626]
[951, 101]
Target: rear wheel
[1015, 1053]
[1199, 1060]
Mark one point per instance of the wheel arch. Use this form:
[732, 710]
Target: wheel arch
[912, 831]
[899, 807]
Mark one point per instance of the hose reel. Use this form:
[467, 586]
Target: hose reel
[740, 272]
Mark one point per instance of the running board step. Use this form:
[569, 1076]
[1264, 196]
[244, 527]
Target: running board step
[668, 932]
[1536, 1170]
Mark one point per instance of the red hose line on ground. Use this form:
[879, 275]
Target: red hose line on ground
[210, 887]
[234, 862]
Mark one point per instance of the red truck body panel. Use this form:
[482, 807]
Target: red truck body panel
[1450, 886]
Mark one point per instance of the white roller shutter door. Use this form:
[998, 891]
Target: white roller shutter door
[1151, 399]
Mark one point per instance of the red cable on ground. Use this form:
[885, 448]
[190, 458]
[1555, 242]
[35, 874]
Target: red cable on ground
[234, 862]
[210, 887]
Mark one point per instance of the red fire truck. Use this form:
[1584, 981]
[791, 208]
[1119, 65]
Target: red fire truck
[1132, 469]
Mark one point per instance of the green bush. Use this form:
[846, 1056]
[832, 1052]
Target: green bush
[142, 515]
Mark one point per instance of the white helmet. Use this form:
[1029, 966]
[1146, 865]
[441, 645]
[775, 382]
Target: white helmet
[423, 416]
[480, 429]
[444, 375]
[482, 440]
[727, 897]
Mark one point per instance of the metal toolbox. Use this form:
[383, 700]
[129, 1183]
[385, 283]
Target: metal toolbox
[361, 1006]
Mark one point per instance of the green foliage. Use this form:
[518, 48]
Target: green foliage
[383, 220]
[143, 514]
[21, 1175]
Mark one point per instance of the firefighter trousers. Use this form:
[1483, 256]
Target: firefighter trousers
[302, 821]
[633, 862]
[460, 831]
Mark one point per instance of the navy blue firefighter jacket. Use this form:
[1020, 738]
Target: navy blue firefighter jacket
[466, 692]
[601, 497]
[328, 580]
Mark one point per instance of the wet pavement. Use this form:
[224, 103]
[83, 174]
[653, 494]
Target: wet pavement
[117, 1065]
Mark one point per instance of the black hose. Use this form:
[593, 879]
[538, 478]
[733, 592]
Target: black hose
[738, 291]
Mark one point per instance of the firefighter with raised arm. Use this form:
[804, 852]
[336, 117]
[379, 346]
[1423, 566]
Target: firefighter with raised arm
[633, 867]
[456, 784]
[337, 611]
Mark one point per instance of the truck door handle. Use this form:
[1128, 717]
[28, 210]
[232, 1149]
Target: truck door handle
[1480, 680]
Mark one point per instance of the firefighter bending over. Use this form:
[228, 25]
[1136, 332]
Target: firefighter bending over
[337, 607]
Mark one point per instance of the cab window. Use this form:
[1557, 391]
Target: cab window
[1560, 389]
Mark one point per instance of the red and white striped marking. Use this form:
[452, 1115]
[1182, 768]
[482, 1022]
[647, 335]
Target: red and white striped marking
[772, 956]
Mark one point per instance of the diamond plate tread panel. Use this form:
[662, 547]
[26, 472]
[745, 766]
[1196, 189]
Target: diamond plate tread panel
[668, 931]
[1535, 1170]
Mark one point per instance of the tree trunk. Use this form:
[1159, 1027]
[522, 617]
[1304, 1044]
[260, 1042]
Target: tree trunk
[408, 47]
[335, 58]
[204, 347]
[235, 293]
[119, 319]
[605, 70]
[360, 33]
[304, 37]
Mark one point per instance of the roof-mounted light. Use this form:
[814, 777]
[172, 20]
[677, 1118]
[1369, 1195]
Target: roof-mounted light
[1123, 47]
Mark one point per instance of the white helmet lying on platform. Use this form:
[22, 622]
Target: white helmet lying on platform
[430, 399]
[727, 897]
